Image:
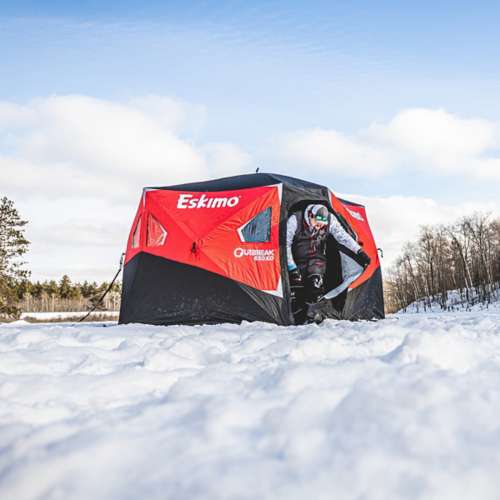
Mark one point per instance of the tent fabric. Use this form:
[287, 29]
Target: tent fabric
[160, 291]
[215, 251]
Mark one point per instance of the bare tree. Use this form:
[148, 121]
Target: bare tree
[463, 257]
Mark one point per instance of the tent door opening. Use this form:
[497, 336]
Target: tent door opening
[334, 274]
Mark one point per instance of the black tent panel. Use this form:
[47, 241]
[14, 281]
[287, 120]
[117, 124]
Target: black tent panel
[159, 291]
[367, 300]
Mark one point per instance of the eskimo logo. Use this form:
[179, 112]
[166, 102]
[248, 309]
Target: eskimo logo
[257, 254]
[356, 215]
[190, 201]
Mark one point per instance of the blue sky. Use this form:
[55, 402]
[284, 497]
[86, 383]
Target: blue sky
[263, 72]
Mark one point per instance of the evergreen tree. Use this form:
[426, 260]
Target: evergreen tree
[37, 290]
[23, 288]
[65, 287]
[51, 288]
[13, 245]
[85, 289]
[94, 300]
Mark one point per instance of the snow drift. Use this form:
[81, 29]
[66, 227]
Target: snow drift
[399, 409]
[455, 301]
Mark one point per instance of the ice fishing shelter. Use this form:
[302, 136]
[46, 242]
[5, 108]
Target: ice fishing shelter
[215, 251]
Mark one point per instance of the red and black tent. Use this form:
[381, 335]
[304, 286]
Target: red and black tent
[215, 251]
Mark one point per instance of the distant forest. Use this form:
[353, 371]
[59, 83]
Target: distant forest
[63, 295]
[463, 256]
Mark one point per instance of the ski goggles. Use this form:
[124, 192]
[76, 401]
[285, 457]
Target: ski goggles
[321, 218]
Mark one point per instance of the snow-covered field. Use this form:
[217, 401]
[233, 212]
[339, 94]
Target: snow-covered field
[456, 303]
[405, 408]
[47, 316]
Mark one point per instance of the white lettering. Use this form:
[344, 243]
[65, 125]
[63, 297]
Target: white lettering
[202, 202]
[190, 201]
[219, 202]
[255, 253]
[183, 198]
[356, 215]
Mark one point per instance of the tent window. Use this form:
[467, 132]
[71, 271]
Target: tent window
[136, 237]
[257, 230]
[156, 233]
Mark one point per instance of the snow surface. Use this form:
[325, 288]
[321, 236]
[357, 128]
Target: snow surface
[45, 316]
[405, 408]
[456, 302]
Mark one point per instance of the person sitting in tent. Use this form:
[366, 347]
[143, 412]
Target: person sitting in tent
[306, 239]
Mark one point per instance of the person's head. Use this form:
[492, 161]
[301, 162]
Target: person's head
[318, 216]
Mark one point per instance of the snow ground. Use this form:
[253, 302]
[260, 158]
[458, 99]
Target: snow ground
[46, 316]
[456, 303]
[405, 408]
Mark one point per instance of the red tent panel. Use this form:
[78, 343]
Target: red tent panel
[202, 230]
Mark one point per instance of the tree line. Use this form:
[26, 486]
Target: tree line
[463, 256]
[64, 295]
[18, 293]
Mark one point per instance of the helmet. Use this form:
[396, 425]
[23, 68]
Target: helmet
[318, 212]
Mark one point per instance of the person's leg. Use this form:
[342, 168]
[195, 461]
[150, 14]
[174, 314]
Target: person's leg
[298, 298]
[315, 281]
[314, 288]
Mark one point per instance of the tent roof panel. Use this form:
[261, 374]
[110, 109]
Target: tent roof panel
[242, 182]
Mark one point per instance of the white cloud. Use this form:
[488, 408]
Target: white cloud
[426, 139]
[84, 145]
[173, 114]
[394, 220]
[335, 152]
[76, 166]
[436, 134]
[226, 159]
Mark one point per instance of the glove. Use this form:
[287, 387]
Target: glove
[295, 277]
[363, 258]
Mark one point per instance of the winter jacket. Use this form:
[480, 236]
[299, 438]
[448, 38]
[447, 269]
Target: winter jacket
[306, 243]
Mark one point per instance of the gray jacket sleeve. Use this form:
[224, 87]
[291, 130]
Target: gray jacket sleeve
[342, 236]
[291, 229]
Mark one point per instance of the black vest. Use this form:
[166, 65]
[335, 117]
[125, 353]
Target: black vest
[308, 244]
